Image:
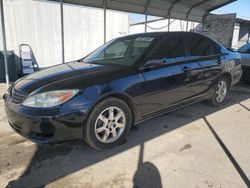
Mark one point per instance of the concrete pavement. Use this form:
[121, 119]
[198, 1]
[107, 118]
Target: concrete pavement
[178, 149]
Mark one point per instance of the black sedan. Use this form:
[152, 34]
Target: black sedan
[127, 80]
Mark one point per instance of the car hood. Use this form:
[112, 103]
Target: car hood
[72, 75]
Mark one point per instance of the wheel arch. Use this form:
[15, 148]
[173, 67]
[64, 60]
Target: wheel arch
[228, 76]
[123, 97]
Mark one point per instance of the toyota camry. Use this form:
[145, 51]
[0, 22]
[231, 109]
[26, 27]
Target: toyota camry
[128, 80]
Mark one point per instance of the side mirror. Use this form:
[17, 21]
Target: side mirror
[232, 49]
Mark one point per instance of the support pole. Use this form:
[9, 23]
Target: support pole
[62, 30]
[4, 44]
[168, 24]
[169, 11]
[203, 23]
[146, 15]
[187, 25]
[105, 21]
[248, 36]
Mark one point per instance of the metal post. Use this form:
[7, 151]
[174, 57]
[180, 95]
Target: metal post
[4, 44]
[146, 15]
[105, 21]
[204, 21]
[62, 30]
[248, 33]
[187, 25]
[168, 24]
[203, 24]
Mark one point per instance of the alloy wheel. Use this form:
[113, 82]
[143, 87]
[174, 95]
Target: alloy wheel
[221, 91]
[110, 125]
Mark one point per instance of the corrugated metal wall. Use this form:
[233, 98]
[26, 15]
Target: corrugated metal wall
[38, 23]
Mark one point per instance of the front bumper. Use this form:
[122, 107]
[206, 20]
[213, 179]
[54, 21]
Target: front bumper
[45, 126]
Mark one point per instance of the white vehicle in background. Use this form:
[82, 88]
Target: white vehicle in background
[245, 61]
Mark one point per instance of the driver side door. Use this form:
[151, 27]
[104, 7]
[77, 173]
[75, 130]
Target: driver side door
[164, 82]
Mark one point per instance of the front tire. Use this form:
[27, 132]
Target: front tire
[220, 92]
[108, 124]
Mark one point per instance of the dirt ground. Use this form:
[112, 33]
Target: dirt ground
[197, 146]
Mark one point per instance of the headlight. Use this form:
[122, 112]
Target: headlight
[50, 98]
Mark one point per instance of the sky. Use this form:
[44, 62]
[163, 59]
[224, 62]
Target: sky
[241, 7]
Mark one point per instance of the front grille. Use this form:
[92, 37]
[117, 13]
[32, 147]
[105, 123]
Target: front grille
[17, 96]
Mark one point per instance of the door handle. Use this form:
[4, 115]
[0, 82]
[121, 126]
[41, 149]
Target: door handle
[186, 69]
[219, 62]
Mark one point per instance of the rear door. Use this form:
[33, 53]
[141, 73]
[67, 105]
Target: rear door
[204, 55]
[164, 85]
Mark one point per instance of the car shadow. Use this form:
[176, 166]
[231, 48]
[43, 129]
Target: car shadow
[50, 163]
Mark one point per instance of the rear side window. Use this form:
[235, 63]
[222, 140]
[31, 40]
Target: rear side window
[199, 46]
[171, 50]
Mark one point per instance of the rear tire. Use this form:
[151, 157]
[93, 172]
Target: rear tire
[220, 92]
[108, 124]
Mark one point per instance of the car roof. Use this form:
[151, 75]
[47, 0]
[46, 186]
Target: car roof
[174, 33]
[171, 33]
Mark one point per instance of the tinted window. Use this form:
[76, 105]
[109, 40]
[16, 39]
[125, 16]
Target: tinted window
[139, 45]
[171, 50]
[199, 46]
[124, 51]
[116, 50]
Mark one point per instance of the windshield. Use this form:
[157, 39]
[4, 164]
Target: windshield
[122, 51]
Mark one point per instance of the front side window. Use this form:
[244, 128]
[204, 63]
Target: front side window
[169, 51]
[199, 46]
[124, 51]
[117, 50]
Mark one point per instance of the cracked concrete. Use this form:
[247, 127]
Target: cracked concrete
[174, 150]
